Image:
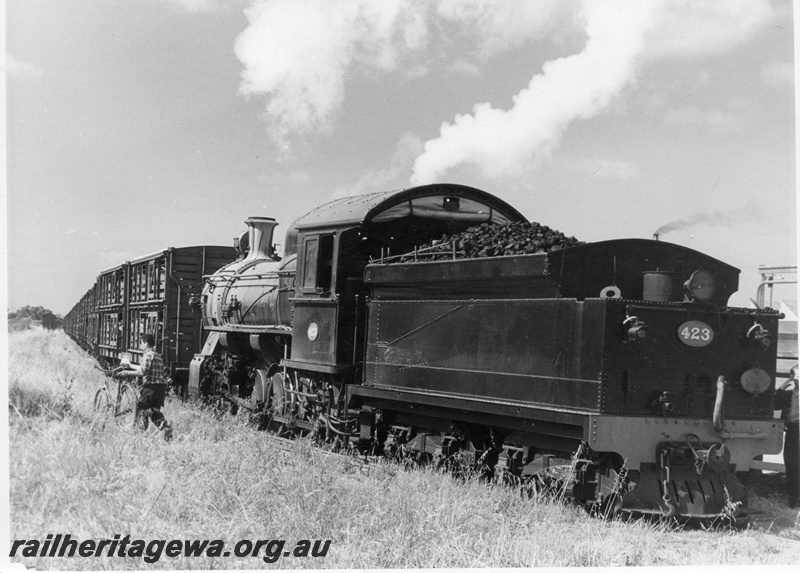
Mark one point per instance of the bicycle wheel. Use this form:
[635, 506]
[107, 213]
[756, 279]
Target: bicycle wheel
[126, 404]
[102, 402]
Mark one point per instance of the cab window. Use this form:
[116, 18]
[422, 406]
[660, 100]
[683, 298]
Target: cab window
[317, 264]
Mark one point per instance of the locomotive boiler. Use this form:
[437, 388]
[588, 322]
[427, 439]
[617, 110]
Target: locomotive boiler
[247, 313]
[621, 357]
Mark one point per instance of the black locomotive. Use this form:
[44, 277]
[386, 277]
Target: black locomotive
[50, 321]
[622, 355]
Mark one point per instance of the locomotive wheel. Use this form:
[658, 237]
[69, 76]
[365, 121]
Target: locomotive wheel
[275, 403]
[291, 408]
[258, 403]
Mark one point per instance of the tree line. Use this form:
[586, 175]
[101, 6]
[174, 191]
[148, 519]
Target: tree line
[33, 312]
[22, 318]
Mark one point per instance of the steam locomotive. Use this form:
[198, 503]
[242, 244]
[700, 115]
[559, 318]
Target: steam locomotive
[621, 356]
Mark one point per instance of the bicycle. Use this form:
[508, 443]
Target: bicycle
[122, 406]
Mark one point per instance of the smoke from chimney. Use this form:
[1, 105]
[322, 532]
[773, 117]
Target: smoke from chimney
[298, 54]
[704, 218]
[579, 86]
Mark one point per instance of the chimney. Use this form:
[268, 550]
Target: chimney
[655, 236]
[260, 237]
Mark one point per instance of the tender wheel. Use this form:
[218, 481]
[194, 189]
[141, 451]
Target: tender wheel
[609, 508]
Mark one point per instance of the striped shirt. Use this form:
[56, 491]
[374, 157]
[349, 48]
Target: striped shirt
[152, 368]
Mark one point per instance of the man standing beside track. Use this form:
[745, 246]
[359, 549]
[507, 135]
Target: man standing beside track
[786, 400]
[154, 385]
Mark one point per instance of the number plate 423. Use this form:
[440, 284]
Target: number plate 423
[695, 333]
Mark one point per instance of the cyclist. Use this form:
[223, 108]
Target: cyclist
[154, 385]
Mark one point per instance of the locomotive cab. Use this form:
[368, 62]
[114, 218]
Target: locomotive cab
[337, 240]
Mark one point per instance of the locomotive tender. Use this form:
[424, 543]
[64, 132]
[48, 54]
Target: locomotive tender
[621, 355]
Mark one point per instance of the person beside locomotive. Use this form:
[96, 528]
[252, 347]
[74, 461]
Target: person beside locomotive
[154, 385]
[786, 399]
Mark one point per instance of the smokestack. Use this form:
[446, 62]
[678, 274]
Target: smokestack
[260, 237]
[655, 236]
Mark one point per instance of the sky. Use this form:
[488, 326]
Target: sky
[137, 125]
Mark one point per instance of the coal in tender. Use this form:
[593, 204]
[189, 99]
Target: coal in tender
[493, 240]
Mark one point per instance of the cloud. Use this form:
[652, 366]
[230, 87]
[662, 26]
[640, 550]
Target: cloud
[297, 53]
[497, 27]
[15, 67]
[778, 74]
[691, 28]
[701, 119]
[620, 38]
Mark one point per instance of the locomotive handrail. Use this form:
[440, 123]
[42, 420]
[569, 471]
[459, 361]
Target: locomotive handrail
[147, 302]
[178, 312]
[249, 308]
[257, 328]
[431, 251]
[717, 419]
[760, 290]
[223, 279]
[427, 324]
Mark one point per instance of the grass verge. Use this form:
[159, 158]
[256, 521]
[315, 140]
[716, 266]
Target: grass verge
[74, 472]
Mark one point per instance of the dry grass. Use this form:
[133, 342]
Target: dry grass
[72, 472]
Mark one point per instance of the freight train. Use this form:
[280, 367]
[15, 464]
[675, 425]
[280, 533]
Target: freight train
[620, 357]
[148, 295]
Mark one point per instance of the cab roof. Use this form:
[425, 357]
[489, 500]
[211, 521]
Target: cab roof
[442, 201]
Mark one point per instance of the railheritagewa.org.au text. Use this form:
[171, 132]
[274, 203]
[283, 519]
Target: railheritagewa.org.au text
[151, 551]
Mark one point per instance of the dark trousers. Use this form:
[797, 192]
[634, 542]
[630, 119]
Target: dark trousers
[791, 458]
[151, 398]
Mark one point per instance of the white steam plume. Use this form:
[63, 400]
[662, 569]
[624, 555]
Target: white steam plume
[298, 54]
[578, 86]
[620, 35]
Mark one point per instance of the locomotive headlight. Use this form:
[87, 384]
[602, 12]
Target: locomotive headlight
[759, 336]
[637, 332]
[636, 329]
[700, 286]
[313, 331]
[756, 381]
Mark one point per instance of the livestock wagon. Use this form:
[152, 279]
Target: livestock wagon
[149, 295]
